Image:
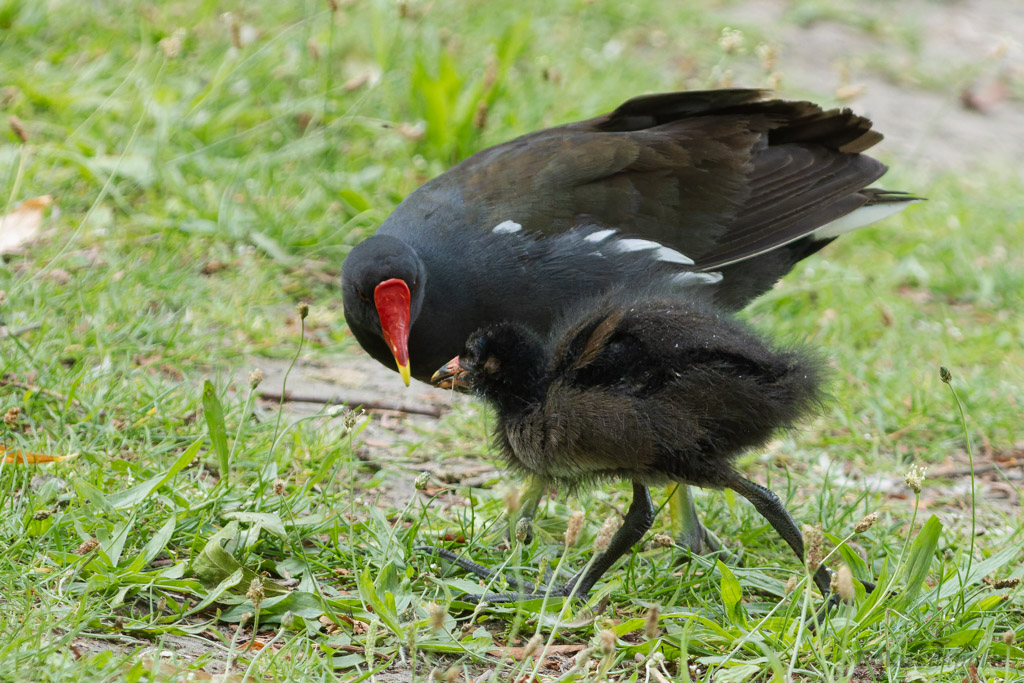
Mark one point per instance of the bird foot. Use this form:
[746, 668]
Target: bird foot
[700, 540]
[526, 590]
[831, 602]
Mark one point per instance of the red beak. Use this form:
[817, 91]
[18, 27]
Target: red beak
[392, 300]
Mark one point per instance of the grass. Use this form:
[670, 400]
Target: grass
[210, 179]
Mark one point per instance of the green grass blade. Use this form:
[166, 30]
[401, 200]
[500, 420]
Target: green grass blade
[214, 414]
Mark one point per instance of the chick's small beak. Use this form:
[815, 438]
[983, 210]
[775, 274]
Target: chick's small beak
[450, 376]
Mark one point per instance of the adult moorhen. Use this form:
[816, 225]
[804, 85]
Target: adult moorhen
[721, 191]
[639, 387]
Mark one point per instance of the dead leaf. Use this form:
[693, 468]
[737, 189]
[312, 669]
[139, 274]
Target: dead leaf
[23, 458]
[983, 98]
[22, 225]
[972, 675]
[845, 93]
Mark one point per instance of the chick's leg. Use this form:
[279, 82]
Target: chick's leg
[771, 508]
[692, 534]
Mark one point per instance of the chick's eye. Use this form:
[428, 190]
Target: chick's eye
[492, 365]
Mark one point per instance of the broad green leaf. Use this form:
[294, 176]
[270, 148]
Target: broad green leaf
[265, 520]
[980, 569]
[732, 594]
[922, 551]
[214, 414]
[87, 491]
[368, 592]
[139, 492]
[153, 547]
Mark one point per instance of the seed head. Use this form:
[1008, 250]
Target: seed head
[532, 646]
[731, 40]
[866, 523]
[914, 478]
[11, 416]
[255, 377]
[279, 487]
[422, 479]
[663, 540]
[945, 375]
[813, 540]
[523, 529]
[604, 535]
[256, 592]
[303, 308]
[608, 639]
[87, 547]
[1011, 582]
[791, 584]
[512, 500]
[437, 614]
[18, 128]
[572, 531]
[1010, 637]
[844, 584]
[651, 622]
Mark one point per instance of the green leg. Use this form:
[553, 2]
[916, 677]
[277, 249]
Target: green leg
[691, 533]
[532, 491]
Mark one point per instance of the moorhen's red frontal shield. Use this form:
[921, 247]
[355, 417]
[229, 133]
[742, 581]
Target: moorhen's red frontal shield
[392, 300]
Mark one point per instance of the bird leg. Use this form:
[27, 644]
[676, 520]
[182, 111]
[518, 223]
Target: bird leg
[637, 522]
[693, 535]
[532, 491]
[771, 508]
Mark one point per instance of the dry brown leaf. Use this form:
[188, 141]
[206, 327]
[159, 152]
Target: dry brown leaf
[23, 458]
[22, 225]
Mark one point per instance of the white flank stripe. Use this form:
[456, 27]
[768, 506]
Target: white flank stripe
[506, 228]
[636, 245]
[690, 278]
[599, 236]
[865, 215]
[672, 256]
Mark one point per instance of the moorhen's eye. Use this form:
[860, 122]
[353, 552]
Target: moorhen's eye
[359, 291]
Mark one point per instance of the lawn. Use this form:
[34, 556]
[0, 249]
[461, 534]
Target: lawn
[208, 165]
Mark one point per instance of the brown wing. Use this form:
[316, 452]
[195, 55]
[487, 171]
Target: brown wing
[720, 175]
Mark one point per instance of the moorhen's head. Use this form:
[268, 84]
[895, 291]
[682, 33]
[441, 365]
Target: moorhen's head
[383, 281]
[505, 363]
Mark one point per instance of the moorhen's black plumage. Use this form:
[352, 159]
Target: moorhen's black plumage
[650, 389]
[714, 189]
[720, 191]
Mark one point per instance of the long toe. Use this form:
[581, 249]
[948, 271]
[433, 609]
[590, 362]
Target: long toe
[483, 572]
[703, 541]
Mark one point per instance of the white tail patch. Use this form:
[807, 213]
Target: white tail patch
[599, 236]
[691, 278]
[506, 228]
[865, 215]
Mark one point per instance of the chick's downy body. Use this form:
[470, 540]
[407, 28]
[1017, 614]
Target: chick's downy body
[655, 391]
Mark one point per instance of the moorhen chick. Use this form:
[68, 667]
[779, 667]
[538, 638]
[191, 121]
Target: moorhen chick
[721, 191]
[648, 388]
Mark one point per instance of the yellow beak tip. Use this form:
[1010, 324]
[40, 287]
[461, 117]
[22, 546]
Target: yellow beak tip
[405, 372]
